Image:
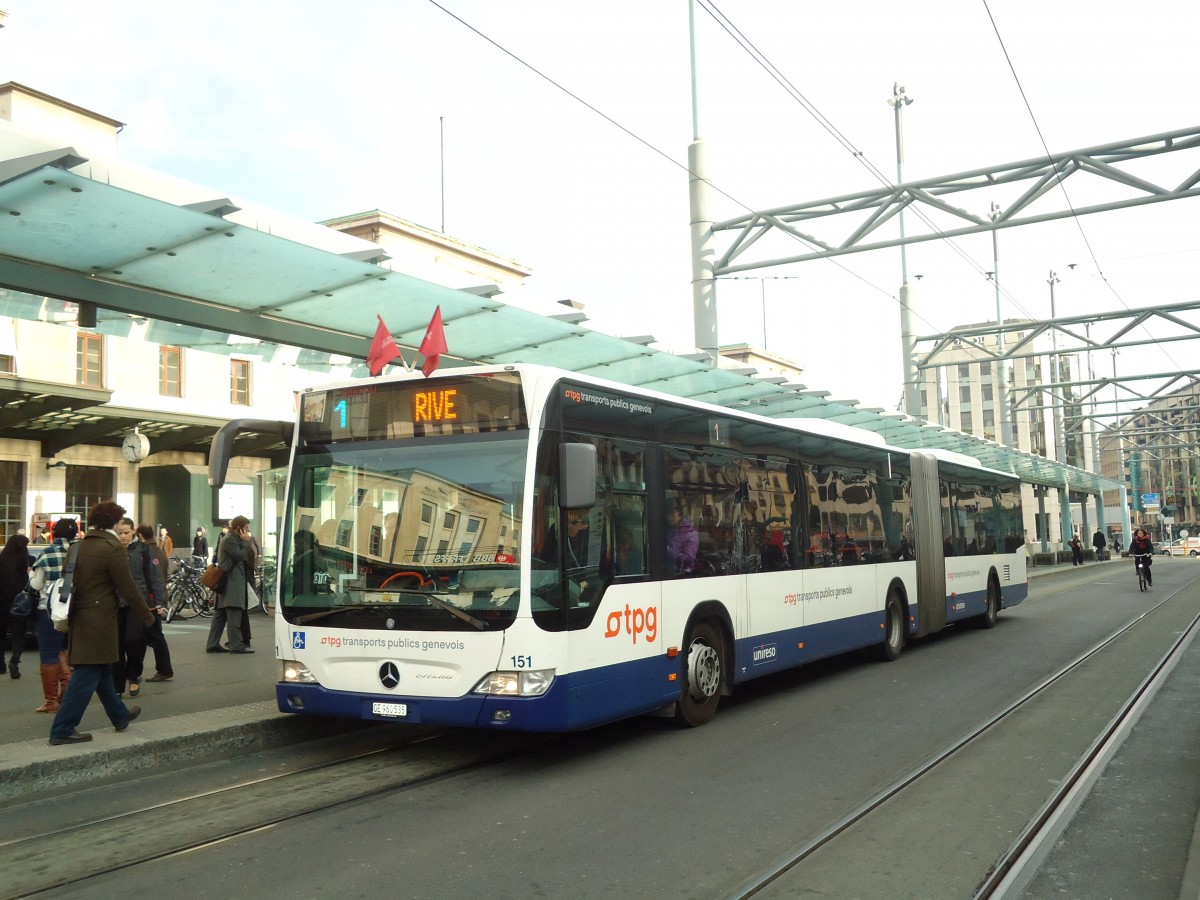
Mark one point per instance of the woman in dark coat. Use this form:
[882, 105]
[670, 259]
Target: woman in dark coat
[235, 556]
[14, 575]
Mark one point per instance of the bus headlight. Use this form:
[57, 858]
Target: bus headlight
[293, 672]
[532, 683]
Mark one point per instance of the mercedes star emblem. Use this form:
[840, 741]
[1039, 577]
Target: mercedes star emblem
[389, 675]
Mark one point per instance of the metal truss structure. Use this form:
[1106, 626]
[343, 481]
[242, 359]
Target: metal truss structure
[875, 207]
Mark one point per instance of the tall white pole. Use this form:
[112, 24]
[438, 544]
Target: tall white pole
[704, 296]
[908, 344]
[1008, 423]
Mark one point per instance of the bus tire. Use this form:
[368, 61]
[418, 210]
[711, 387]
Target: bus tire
[992, 612]
[893, 627]
[703, 658]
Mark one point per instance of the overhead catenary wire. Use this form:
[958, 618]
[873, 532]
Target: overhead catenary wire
[643, 141]
[1059, 179]
[746, 44]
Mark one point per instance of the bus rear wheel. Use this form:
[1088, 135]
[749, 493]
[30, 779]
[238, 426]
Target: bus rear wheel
[703, 651]
[893, 627]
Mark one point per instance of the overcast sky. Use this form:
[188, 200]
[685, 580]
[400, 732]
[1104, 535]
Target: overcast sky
[320, 109]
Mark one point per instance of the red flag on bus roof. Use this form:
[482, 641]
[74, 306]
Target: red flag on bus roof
[433, 344]
[383, 349]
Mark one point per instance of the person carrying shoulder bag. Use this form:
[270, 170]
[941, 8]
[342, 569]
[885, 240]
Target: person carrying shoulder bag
[236, 556]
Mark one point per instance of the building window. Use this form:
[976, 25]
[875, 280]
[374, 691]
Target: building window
[239, 382]
[89, 360]
[87, 486]
[985, 369]
[964, 393]
[965, 422]
[12, 492]
[987, 392]
[989, 418]
[964, 370]
[8, 365]
[170, 371]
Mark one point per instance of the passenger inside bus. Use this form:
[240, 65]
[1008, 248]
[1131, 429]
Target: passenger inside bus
[629, 558]
[683, 541]
[310, 572]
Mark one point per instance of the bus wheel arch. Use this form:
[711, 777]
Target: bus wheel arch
[993, 601]
[705, 665]
[895, 622]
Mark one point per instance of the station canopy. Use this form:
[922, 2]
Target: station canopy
[199, 277]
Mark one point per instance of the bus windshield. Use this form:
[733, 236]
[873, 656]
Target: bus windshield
[411, 535]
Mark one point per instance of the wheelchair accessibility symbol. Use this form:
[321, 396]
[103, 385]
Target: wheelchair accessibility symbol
[297, 640]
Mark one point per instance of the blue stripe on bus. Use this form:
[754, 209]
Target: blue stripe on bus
[767, 653]
[608, 693]
[575, 701]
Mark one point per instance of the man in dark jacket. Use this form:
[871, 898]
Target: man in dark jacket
[101, 573]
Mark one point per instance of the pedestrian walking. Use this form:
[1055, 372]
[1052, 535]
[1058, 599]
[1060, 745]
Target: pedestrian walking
[100, 578]
[14, 576]
[52, 644]
[236, 557]
[164, 541]
[1076, 550]
[200, 544]
[1101, 544]
[148, 566]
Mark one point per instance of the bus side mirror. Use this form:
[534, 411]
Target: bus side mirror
[577, 475]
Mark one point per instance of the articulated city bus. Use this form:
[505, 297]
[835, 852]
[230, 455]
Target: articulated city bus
[525, 548]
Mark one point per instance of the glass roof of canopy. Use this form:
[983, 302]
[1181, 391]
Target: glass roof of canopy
[199, 278]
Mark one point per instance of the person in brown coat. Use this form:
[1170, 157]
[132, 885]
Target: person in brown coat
[101, 572]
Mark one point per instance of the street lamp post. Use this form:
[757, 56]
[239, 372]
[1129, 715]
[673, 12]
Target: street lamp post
[912, 395]
[1008, 425]
[1056, 400]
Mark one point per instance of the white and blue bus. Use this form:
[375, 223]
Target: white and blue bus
[525, 548]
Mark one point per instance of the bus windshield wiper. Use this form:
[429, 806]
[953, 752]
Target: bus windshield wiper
[477, 624]
[313, 617]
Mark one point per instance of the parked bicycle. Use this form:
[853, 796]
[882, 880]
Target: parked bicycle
[264, 585]
[186, 596]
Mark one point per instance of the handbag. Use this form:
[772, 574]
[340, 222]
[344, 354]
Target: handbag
[213, 578]
[24, 603]
[58, 597]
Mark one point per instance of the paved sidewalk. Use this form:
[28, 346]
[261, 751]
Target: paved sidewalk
[217, 704]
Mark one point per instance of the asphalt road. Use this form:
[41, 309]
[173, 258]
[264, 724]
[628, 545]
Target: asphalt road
[642, 809]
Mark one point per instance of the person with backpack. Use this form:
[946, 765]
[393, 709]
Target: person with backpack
[52, 644]
[99, 580]
[148, 566]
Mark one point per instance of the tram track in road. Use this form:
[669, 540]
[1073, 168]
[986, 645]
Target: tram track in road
[109, 843]
[1014, 864]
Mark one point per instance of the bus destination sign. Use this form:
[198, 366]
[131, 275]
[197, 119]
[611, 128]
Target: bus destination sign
[405, 409]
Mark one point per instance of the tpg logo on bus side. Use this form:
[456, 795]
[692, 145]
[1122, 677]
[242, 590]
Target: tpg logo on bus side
[636, 621]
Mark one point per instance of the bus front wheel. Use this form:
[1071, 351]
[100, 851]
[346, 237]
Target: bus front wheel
[701, 675]
[988, 619]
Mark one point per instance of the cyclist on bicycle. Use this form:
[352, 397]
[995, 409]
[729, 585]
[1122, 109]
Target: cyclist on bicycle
[1142, 551]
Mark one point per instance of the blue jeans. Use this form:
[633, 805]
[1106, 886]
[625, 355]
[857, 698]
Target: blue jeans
[85, 681]
[50, 642]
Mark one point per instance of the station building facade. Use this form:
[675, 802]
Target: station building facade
[964, 393]
[120, 409]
